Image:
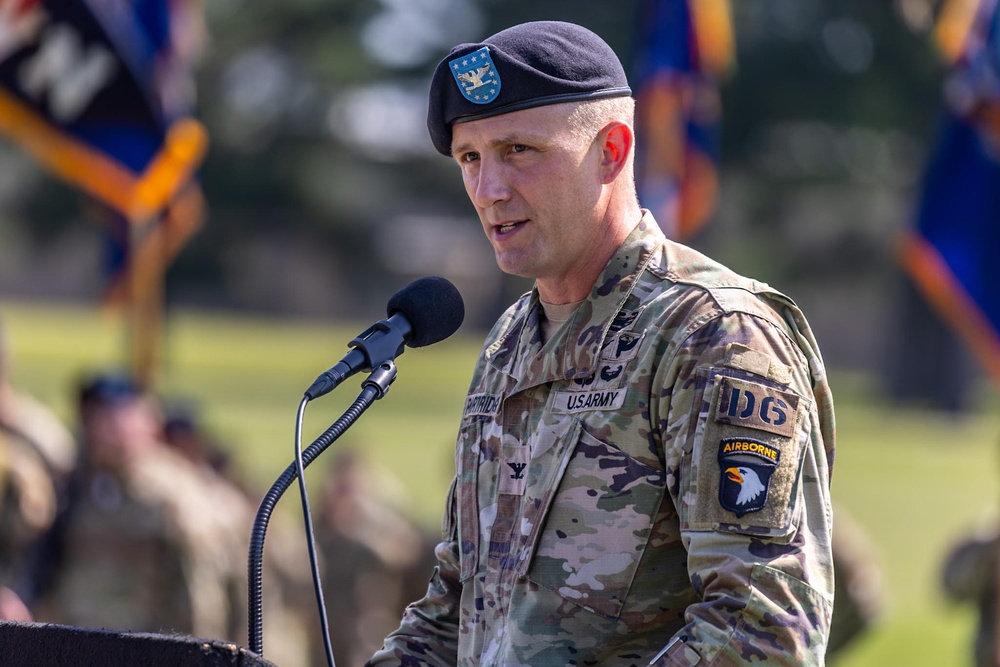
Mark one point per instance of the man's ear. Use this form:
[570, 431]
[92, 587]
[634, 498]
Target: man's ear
[616, 141]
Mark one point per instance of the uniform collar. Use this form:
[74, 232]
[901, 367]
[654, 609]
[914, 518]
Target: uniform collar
[574, 350]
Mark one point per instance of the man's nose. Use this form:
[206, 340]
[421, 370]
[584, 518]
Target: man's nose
[491, 184]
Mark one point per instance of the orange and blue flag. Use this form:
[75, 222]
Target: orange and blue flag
[954, 247]
[100, 94]
[87, 88]
[684, 48]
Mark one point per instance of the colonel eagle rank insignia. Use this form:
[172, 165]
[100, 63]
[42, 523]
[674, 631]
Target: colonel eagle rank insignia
[476, 76]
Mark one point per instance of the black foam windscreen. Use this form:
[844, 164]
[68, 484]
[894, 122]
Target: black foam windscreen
[433, 307]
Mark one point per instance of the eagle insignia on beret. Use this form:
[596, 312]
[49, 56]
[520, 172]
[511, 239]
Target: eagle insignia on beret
[476, 76]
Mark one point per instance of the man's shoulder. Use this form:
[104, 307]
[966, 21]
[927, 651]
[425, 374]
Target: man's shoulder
[684, 265]
[709, 287]
[28, 491]
[39, 425]
[163, 474]
[193, 502]
[513, 314]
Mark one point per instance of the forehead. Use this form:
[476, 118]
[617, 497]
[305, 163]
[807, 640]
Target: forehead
[546, 123]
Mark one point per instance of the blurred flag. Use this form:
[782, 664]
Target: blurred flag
[684, 46]
[88, 87]
[100, 93]
[953, 252]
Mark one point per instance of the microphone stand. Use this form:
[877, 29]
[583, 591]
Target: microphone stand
[373, 388]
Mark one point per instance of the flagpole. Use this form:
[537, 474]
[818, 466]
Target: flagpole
[145, 305]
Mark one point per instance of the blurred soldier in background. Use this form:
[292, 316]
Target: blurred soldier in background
[27, 510]
[147, 542]
[376, 561]
[859, 589]
[36, 456]
[26, 418]
[183, 431]
[287, 584]
[970, 575]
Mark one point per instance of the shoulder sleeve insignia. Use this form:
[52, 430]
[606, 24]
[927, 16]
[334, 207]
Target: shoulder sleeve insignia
[746, 466]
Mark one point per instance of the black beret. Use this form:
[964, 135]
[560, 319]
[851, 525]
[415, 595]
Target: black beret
[108, 389]
[528, 65]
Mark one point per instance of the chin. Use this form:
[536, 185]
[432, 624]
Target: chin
[519, 271]
[511, 266]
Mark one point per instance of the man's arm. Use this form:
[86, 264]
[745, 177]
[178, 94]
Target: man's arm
[752, 493]
[428, 633]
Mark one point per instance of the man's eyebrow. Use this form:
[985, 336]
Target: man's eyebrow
[505, 140]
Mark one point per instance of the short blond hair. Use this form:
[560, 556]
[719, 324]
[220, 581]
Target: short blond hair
[587, 118]
[590, 117]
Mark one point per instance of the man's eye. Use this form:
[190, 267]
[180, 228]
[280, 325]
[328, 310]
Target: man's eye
[470, 157]
[518, 148]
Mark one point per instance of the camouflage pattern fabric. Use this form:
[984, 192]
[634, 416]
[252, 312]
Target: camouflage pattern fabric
[24, 416]
[156, 547]
[969, 575]
[27, 505]
[648, 487]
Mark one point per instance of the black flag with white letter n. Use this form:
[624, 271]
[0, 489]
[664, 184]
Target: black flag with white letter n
[87, 88]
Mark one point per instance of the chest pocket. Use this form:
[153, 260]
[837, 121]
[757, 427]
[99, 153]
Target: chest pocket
[596, 526]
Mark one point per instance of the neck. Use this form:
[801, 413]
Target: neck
[577, 285]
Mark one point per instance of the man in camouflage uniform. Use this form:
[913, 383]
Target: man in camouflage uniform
[969, 575]
[37, 455]
[644, 458]
[148, 543]
[27, 510]
[25, 418]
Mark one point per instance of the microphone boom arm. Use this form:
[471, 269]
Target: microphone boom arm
[373, 388]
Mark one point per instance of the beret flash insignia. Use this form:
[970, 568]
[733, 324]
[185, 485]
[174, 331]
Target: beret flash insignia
[476, 76]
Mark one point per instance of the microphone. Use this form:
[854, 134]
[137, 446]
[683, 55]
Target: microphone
[424, 312]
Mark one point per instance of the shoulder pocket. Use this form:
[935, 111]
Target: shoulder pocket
[747, 456]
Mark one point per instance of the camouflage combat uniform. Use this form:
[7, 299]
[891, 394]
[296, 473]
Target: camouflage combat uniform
[970, 575]
[156, 547]
[27, 508]
[25, 417]
[649, 486]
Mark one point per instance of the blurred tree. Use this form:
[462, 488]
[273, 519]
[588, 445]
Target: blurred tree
[319, 155]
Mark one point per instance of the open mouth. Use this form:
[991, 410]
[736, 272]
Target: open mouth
[508, 228]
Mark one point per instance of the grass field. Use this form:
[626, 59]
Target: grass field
[916, 480]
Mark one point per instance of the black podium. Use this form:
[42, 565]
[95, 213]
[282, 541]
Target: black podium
[48, 645]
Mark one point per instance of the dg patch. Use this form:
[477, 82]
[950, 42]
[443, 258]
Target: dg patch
[757, 406]
[745, 466]
[476, 76]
